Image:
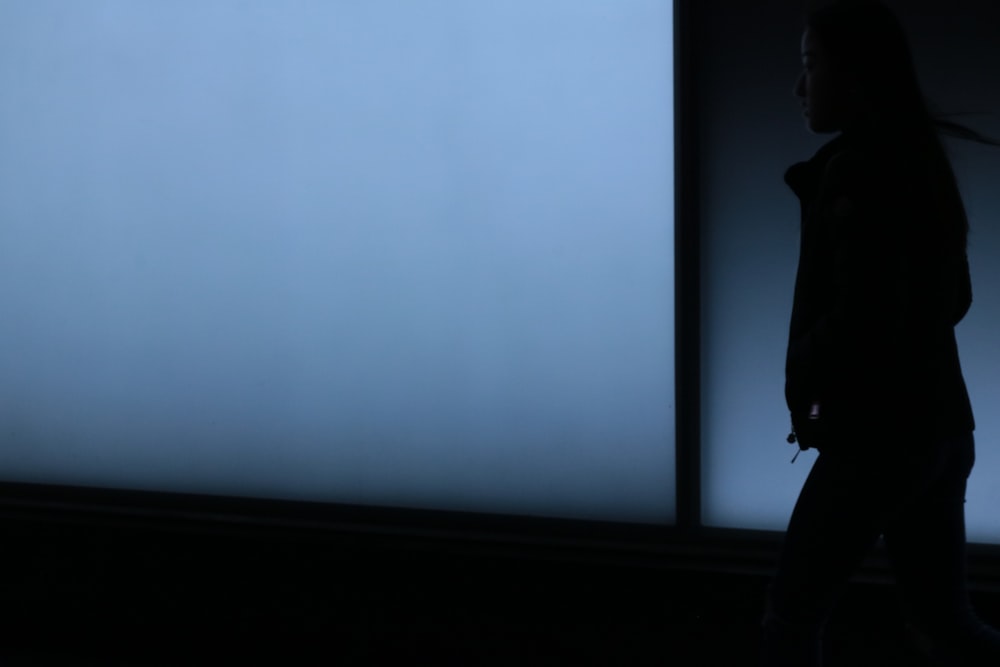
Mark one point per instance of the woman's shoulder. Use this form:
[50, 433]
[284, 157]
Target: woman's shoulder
[868, 169]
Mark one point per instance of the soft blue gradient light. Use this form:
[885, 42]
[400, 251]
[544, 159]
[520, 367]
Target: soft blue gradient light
[391, 252]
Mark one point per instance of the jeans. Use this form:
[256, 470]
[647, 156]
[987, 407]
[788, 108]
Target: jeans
[913, 496]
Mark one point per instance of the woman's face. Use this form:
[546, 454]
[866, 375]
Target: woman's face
[825, 99]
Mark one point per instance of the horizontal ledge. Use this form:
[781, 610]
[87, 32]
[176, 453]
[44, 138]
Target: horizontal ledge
[367, 528]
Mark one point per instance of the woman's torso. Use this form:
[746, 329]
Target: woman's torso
[881, 283]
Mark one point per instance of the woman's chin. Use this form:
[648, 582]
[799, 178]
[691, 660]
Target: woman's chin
[819, 127]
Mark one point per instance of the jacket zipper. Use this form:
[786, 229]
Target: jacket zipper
[792, 438]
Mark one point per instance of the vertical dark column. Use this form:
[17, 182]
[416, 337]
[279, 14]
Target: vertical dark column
[687, 268]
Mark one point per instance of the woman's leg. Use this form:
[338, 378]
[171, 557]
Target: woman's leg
[839, 516]
[926, 545]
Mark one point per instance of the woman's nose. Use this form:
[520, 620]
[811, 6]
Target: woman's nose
[800, 86]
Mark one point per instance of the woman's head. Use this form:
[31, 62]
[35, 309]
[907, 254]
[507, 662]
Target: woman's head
[858, 69]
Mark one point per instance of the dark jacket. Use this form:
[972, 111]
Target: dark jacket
[882, 281]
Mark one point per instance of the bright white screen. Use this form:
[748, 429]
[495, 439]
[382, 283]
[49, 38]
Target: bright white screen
[387, 252]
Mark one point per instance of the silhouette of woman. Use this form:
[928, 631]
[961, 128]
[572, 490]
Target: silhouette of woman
[873, 379]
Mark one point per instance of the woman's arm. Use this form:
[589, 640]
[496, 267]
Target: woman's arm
[856, 344]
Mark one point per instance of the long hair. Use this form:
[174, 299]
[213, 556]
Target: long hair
[866, 43]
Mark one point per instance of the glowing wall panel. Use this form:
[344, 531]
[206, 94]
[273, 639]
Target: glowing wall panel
[392, 253]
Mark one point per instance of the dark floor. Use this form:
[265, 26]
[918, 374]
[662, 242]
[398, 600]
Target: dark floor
[75, 597]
